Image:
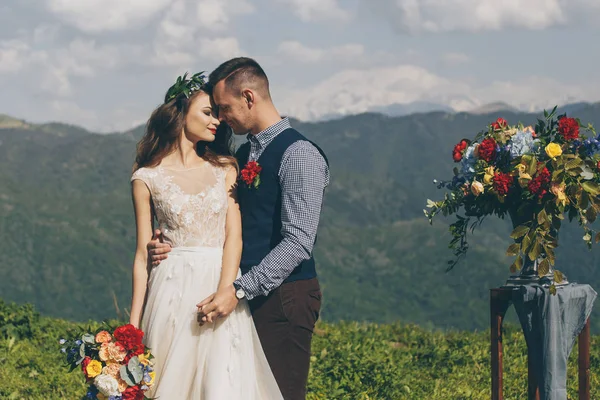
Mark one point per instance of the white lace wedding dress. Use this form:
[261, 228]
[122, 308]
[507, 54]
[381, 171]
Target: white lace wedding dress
[218, 361]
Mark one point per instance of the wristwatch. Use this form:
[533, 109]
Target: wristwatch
[239, 292]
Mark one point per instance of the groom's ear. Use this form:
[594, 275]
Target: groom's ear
[248, 97]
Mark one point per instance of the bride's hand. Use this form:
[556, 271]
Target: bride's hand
[217, 305]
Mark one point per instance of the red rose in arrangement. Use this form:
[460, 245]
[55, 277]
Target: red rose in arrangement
[502, 183]
[251, 174]
[568, 128]
[457, 153]
[487, 149]
[133, 393]
[540, 184]
[499, 124]
[129, 336]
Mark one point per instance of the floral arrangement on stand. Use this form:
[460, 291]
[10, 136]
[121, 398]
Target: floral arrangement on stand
[536, 175]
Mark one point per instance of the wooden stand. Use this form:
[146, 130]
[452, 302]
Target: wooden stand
[500, 299]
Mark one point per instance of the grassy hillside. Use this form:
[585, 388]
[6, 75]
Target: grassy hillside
[67, 222]
[354, 360]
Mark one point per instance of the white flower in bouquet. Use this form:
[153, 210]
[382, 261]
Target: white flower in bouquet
[107, 385]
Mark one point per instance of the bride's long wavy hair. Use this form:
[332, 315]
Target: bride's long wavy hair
[163, 131]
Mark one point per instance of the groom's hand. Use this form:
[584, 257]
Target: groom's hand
[217, 305]
[157, 249]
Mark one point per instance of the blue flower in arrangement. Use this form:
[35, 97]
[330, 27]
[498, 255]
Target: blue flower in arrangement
[468, 162]
[522, 143]
[590, 146]
[92, 392]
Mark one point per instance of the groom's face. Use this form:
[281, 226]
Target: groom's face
[232, 109]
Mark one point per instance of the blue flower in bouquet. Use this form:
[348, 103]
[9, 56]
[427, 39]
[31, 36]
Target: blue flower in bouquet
[591, 146]
[468, 162]
[522, 143]
[92, 392]
[115, 398]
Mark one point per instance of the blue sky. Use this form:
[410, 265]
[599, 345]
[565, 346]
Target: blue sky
[105, 64]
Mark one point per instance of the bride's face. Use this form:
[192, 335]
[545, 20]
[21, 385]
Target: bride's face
[201, 122]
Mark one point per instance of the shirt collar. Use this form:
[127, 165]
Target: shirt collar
[264, 137]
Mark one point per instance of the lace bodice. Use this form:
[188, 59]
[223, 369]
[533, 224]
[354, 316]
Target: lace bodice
[190, 204]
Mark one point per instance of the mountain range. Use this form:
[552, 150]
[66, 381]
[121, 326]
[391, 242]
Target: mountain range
[67, 231]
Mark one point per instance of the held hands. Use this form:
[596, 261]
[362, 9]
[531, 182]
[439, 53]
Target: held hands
[217, 305]
[157, 249]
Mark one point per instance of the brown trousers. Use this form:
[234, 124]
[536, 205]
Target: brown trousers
[285, 320]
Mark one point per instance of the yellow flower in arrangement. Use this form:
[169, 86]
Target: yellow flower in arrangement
[122, 385]
[524, 177]
[553, 150]
[94, 368]
[143, 359]
[152, 376]
[489, 175]
[559, 192]
[476, 188]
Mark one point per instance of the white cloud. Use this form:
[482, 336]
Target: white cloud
[182, 33]
[415, 16]
[360, 90]
[216, 14]
[453, 59]
[106, 15]
[219, 49]
[55, 68]
[13, 54]
[299, 52]
[317, 10]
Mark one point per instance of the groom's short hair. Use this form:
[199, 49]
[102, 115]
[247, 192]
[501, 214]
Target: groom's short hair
[239, 72]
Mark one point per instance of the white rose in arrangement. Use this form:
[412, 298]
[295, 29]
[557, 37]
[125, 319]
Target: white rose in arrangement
[107, 385]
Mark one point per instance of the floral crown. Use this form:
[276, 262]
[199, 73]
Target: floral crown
[186, 86]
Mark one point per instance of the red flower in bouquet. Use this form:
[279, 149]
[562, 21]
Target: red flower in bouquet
[540, 184]
[129, 336]
[133, 393]
[84, 365]
[251, 174]
[502, 183]
[499, 124]
[568, 128]
[457, 153]
[487, 149]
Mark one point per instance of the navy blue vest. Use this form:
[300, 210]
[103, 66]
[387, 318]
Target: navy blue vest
[261, 207]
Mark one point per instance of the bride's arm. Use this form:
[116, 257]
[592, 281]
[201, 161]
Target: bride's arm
[232, 249]
[143, 222]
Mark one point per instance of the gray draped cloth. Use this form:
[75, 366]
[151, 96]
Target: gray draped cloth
[551, 324]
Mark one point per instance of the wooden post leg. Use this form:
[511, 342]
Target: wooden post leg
[497, 315]
[584, 362]
[533, 389]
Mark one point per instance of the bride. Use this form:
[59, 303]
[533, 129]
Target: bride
[185, 177]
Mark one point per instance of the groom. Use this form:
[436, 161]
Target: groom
[279, 224]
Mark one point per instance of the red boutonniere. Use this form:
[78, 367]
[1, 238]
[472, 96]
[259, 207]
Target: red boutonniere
[251, 174]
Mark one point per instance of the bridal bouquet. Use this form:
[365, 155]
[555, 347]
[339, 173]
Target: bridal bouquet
[537, 175]
[117, 365]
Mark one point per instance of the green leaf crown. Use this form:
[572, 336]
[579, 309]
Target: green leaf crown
[186, 86]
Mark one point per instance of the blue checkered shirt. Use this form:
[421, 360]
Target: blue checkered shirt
[303, 176]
